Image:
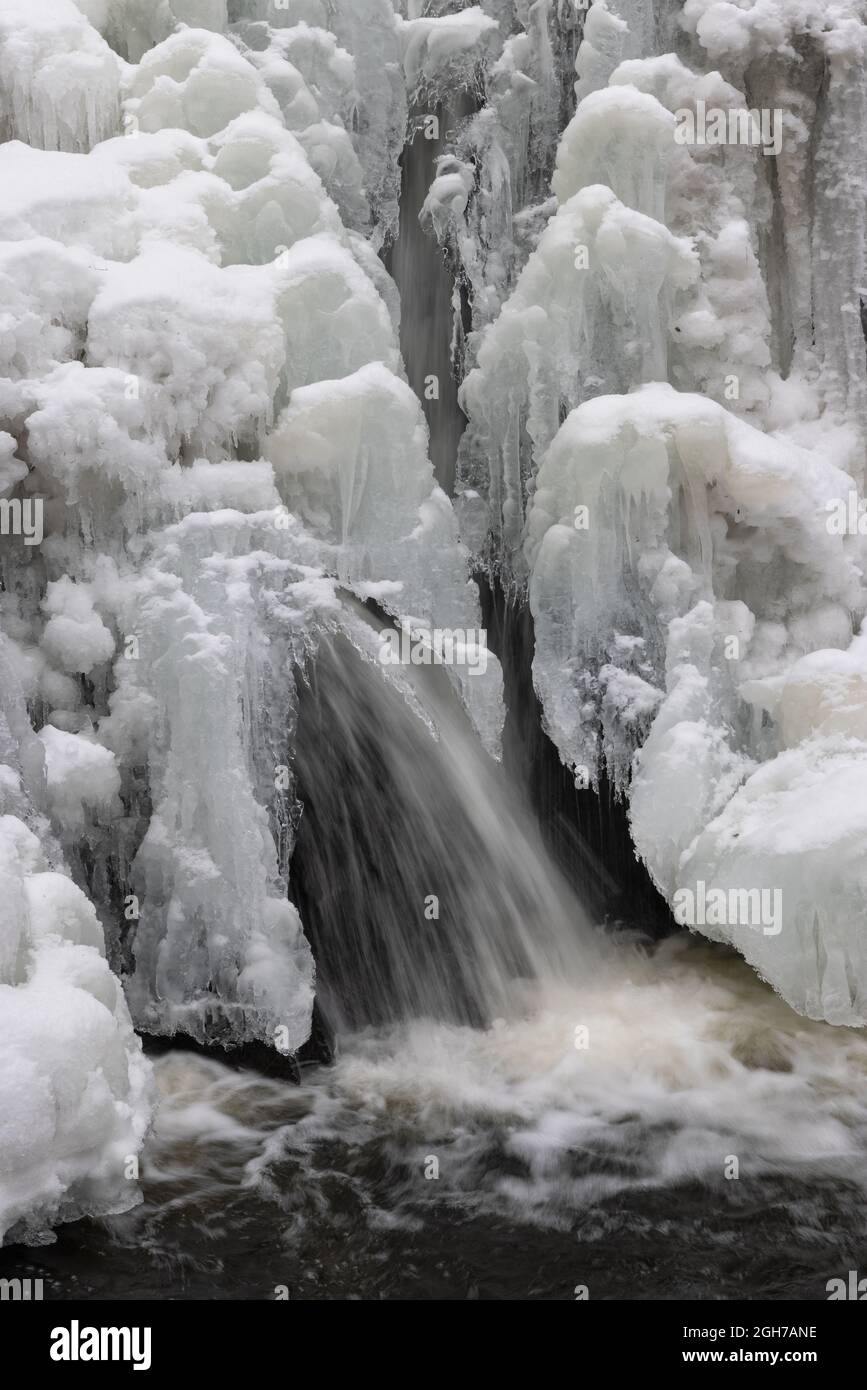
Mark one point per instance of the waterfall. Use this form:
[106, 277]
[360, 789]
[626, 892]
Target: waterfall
[424, 887]
[340, 328]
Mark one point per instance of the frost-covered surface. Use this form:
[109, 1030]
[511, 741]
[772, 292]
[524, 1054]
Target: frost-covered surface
[201, 386]
[664, 406]
[75, 1089]
[447, 48]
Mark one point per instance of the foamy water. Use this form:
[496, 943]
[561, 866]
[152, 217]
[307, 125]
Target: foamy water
[608, 1165]
[662, 1074]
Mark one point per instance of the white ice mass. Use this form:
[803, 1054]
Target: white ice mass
[202, 387]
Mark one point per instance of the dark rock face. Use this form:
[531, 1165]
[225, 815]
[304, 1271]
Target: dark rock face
[586, 834]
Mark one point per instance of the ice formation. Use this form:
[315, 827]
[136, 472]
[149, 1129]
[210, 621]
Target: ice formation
[203, 395]
[75, 1089]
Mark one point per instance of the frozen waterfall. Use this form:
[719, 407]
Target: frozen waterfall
[326, 322]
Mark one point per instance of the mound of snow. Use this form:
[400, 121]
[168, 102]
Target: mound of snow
[59, 80]
[75, 1089]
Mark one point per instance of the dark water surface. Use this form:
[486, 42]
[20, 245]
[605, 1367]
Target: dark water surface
[600, 1164]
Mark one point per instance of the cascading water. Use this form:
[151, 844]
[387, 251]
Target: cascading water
[424, 889]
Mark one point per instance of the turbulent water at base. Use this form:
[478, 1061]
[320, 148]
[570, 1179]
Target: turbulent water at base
[558, 1165]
